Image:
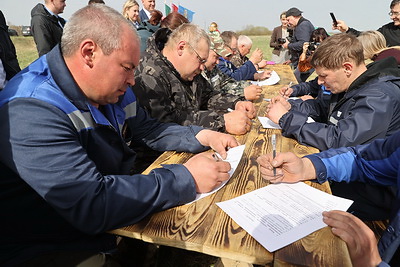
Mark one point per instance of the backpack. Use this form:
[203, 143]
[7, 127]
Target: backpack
[8, 54]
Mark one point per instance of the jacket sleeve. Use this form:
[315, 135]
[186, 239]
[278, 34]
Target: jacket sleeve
[306, 88]
[61, 172]
[353, 31]
[303, 33]
[376, 163]
[274, 39]
[364, 122]
[245, 72]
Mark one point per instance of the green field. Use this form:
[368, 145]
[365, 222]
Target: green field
[26, 49]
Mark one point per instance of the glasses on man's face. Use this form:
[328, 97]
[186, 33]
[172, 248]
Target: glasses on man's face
[201, 60]
[391, 13]
[232, 49]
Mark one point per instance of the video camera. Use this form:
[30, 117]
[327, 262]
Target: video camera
[312, 46]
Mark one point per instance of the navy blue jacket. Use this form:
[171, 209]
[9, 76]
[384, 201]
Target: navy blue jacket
[64, 165]
[245, 72]
[368, 110]
[143, 16]
[376, 163]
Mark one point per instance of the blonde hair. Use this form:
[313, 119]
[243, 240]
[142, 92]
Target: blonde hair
[373, 42]
[128, 4]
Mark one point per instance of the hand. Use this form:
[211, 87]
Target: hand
[219, 142]
[256, 56]
[289, 168]
[252, 92]
[237, 122]
[341, 26]
[247, 107]
[286, 92]
[287, 62]
[262, 75]
[278, 106]
[207, 173]
[305, 46]
[359, 238]
[285, 45]
[262, 64]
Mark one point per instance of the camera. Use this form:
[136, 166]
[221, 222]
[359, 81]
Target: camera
[312, 46]
[281, 40]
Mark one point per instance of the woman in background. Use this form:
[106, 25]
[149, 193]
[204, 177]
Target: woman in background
[130, 11]
[374, 44]
[147, 28]
[280, 55]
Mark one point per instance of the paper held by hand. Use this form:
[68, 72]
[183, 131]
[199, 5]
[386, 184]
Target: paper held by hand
[274, 79]
[280, 214]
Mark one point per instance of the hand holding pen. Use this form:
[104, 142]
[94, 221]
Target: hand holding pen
[286, 91]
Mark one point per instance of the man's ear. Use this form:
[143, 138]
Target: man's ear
[88, 50]
[180, 47]
[348, 67]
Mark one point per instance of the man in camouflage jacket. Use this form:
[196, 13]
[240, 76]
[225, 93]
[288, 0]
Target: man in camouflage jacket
[173, 91]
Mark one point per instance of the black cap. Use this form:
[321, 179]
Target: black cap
[293, 12]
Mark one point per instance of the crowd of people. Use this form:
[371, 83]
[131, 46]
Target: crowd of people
[112, 90]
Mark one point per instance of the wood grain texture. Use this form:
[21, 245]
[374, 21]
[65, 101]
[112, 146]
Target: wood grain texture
[203, 227]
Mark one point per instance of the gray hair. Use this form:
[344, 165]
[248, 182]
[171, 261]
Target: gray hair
[97, 22]
[244, 40]
[190, 33]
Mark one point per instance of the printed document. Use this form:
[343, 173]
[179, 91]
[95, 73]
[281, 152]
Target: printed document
[274, 79]
[280, 214]
[268, 124]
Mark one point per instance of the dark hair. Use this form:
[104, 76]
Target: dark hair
[318, 35]
[394, 2]
[227, 36]
[173, 21]
[96, 2]
[156, 17]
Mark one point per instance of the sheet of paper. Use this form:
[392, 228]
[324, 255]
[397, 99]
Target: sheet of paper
[234, 156]
[268, 124]
[274, 79]
[280, 214]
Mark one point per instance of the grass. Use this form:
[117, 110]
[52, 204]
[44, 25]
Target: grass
[26, 50]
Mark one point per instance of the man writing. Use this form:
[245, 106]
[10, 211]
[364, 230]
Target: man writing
[64, 162]
[375, 163]
[47, 26]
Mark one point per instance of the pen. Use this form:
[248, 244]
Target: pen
[273, 140]
[217, 157]
[290, 84]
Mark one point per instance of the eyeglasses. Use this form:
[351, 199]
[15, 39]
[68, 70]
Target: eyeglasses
[232, 49]
[201, 60]
[391, 13]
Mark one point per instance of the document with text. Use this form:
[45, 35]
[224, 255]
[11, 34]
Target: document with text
[280, 214]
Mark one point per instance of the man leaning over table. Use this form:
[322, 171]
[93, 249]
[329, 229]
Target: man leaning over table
[364, 105]
[64, 162]
[375, 163]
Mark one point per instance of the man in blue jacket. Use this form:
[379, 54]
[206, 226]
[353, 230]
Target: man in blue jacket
[64, 163]
[376, 163]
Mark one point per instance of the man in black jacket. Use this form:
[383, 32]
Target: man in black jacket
[47, 26]
[8, 57]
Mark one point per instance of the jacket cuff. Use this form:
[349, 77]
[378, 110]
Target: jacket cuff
[320, 169]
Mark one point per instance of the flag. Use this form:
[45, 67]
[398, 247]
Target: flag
[174, 8]
[186, 13]
[167, 9]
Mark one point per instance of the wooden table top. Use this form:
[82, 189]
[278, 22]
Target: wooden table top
[203, 227]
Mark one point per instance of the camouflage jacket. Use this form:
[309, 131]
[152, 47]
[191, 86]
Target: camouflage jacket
[238, 60]
[223, 83]
[162, 92]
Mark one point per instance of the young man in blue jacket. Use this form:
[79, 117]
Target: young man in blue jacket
[376, 163]
[65, 162]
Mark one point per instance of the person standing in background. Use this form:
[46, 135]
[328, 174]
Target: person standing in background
[131, 12]
[148, 7]
[47, 26]
[280, 55]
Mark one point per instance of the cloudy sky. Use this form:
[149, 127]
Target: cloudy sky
[237, 14]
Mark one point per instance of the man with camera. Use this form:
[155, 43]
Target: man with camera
[302, 29]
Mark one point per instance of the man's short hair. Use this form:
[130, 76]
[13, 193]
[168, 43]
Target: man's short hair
[336, 50]
[227, 36]
[190, 33]
[95, 2]
[244, 40]
[100, 23]
[394, 2]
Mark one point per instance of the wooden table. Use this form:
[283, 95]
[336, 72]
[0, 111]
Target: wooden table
[205, 228]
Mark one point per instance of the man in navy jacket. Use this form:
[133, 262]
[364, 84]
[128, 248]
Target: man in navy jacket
[65, 162]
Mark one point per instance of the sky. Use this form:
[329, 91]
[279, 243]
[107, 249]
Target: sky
[237, 14]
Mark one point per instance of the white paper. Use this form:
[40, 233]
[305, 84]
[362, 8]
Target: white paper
[274, 79]
[280, 214]
[268, 124]
[234, 155]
